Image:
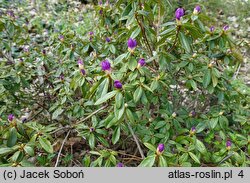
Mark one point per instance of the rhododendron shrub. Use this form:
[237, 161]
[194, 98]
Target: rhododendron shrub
[135, 89]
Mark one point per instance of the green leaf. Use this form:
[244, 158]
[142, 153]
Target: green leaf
[200, 146]
[105, 97]
[148, 161]
[213, 122]
[112, 49]
[214, 80]
[162, 161]
[193, 84]
[120, 58]
[57, 112]
[118, 100]
[136, 32]
[29, 150]
[105, 87]
[92, 141]
[12, 137]
[184, 42]
[194, 157]
[103, 141]
[132, 64]
[169, 30]
[207, 79]
[130, 115]
[150, 146]
[116, 135]
[223, 121]
[5, 150]
[160, 124]
[137, 94]
[46, 145]
[201, 126]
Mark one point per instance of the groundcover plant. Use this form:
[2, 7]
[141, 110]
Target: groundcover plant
[119, 83]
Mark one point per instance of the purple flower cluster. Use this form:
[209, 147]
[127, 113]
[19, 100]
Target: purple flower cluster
[117, 84]
[120, 165]
[179, 13]
[160, 149]
[106, 65]
[212, 28]
[197, 9]
[11, 117]
[141, 62]
[132, 43]
[226, 27]
[108, 39]
[61, 37]
[228, 144]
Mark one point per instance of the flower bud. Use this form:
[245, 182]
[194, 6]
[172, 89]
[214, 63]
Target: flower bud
[106, 65]
[226, 27]
[228, 145]
[192, 114]
[174, 114]
[131, 44]
[212, 28]
[91, 129]
[117, 84]
[108, 39]
[120, 165]
[179, 13]
[192, 130]
[160, 149]
[141, 62]
[11, 117]
[197, 9]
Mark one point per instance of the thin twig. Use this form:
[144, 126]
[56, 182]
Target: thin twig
[59, 129]
[89, 116]
[136, 140]
[60, 151]
[175, 41]
[145, 37]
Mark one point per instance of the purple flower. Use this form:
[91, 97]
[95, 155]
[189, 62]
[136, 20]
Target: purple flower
[226, 27]
[44, 52]
[61, 37]
[212, 28]
[160, 148]
[120, 165]
[105, 65]
[11, 13]
[91, 33]
[192, 113]
[197, 9]
[179, 13]
[100, 12]
[132, 43]
[61, 76]
[11, 117]
[80, 62]
[141, 62]
[100, 2]
[108, 39]
[92, 129]
[193, 129]
[23, 119]
[118, 84]
[26, 49]
[228, 144]
[83, 72]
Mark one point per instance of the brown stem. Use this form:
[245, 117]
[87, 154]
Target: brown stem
[175, 41]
